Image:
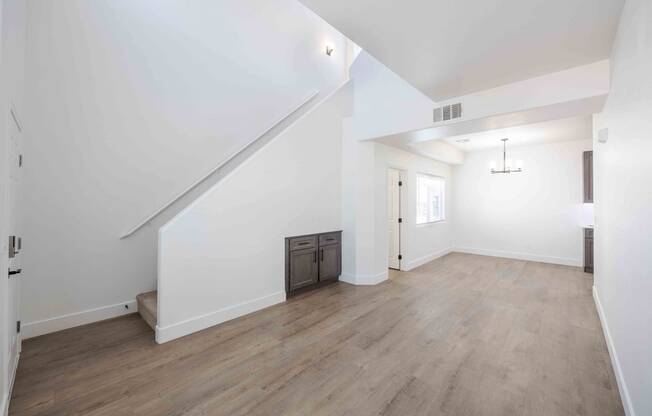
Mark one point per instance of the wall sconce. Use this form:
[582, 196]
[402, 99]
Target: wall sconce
[329, 50]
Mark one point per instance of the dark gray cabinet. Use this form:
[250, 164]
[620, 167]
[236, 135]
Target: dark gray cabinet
[588, 250]
[329, 262]
[304, 270]
[312, 260]
[588, 177]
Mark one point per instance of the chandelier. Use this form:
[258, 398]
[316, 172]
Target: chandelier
[508, 165]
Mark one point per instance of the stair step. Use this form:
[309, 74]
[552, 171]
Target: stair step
[147, 307]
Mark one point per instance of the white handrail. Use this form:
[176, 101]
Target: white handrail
[227, 160]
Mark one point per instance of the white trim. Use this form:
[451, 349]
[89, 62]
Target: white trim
[187, 327]
[443, 197]
[12, 379]
[615, 362]
[364, 279]
[58, 323]
[412, 264]
[521, 256]
[402, 200]
[431, 223]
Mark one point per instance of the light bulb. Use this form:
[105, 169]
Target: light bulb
[492, 165]
[509, 164]
[519, 164]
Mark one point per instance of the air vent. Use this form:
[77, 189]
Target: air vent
[447, 112]
[437, 115]
[456, 110]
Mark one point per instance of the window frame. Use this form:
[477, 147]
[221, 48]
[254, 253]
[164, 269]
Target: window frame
[417, 199]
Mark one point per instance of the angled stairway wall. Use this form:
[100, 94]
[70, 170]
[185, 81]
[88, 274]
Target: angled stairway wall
[127, 104]
[223, 255]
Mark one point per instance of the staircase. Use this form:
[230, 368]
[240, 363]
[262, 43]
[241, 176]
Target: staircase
[147, 307]
[147, 302]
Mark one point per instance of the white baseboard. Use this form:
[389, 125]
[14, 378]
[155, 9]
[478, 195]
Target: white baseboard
[615, 362]
[413, 264]
[4, 405]
[58, 323]
[364, 279]
[520, 256]
[187, 327]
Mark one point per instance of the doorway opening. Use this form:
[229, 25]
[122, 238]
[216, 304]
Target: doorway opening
[394, 217]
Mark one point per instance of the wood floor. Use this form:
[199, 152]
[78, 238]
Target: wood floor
[462, 335]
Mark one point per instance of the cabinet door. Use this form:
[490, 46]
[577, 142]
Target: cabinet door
[588, 255]
[329, 262]
[303, 268]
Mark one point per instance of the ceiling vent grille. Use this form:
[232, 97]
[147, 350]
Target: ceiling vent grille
[447, 112]
[437, 115]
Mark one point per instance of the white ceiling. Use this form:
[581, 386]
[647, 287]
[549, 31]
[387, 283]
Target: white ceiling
[451, 48]
[574, 128]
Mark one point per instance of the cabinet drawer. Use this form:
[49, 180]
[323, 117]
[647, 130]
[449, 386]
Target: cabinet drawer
[300, 243]
[331, 238]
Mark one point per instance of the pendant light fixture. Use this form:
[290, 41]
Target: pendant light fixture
[508, 165]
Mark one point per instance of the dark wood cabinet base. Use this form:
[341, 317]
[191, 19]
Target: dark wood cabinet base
[310, 288]
[588, 250]
[312, 261]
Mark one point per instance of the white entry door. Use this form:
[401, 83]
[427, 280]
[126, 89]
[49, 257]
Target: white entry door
[15, 161]
[394, 220]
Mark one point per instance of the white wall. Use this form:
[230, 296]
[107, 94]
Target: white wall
[12, 44]
[128, 103]
[4, 292]
[557, 87]
[358, 212]
[384, 102]
[419, 243]
[574, 92]
[534, 215]
[623, 204]
[364, 211]
[223, 256]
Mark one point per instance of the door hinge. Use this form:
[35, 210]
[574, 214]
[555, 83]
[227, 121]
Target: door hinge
[20, 161]
[400, 220]
[400, 183]
[18, 327]
[400, 257]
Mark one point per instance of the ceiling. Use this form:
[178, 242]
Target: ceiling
[451, 48]
[574, 128]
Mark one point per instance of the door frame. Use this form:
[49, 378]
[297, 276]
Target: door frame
[403, 212]
[14, 133]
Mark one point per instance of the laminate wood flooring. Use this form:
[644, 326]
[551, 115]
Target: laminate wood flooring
[462, 335]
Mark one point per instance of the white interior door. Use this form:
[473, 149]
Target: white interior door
[394, 217]
[15, 246]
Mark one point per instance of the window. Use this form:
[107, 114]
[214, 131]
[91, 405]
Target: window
[430, 198]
